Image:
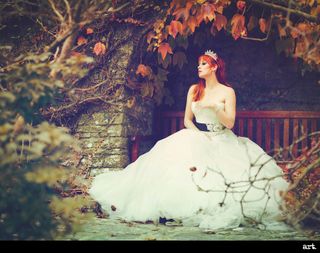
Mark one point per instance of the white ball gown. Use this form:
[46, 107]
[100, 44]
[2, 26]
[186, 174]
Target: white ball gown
[214, 183]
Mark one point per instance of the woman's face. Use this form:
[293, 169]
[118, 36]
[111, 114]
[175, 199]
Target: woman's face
[204, 69]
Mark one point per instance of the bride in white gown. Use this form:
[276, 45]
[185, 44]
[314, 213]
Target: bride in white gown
[203, 175]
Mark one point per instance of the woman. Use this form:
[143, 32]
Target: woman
[203, 175]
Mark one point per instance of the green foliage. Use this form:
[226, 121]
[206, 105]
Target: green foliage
[32, 152]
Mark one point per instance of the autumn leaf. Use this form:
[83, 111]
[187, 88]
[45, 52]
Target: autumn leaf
[174, 28]
[199, 16]
[143, 70]
[181, 13]
[193, 169]
[208, 12]
[192, 23]
[164, 49]
[99, 48]
[241, 5]
[238, 29]
[179, 59]
[81, 40]
[262, 25]
[89, 31]
[220, 9]
[184, 28]
[220, 22]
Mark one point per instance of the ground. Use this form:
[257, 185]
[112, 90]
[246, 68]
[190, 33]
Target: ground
[106, 229]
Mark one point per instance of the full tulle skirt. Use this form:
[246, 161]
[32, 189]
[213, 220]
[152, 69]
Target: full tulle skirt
[212, 180]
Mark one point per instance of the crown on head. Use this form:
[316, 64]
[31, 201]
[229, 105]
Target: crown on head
[211, 54]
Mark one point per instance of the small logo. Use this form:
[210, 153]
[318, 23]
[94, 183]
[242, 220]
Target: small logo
[308, 246]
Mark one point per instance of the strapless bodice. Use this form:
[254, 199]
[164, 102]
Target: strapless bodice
[206, 115]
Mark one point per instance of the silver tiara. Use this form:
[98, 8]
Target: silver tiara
[211, 54]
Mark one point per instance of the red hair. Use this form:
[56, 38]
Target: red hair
[198, 91]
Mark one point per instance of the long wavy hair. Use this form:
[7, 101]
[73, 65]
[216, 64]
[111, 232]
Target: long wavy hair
[198, 92]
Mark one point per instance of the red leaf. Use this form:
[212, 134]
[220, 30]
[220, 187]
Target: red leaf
[238, 29]
[192, 23]
[208, 12]
[143, 70]
[174, 28]
[99, 48]
[241, 5]
[81, 40]
[89, 31]
[220, 9]
[163, 49]
[182, 13]
[262, 25]
[220, 22]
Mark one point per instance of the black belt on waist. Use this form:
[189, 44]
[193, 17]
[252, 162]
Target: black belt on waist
[208, 128]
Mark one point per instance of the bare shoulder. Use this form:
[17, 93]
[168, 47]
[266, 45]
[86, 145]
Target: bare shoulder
[229, 91]
[191, 89]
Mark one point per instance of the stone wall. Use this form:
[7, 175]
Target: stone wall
[104, 131]
[104, 140]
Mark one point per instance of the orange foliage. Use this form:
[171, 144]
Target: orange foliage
[89, 31]
[99, 48]
[81, 40]
[164, 49]
[238, 29]
[262, 24]
[143, 70]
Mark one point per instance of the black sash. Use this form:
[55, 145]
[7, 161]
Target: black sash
[201, 126]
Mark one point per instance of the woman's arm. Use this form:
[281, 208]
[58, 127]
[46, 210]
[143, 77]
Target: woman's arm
[228, 115]
[188, 114]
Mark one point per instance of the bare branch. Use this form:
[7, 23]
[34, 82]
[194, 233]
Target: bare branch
[59, 15]
[286, 9]
[68, 11]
